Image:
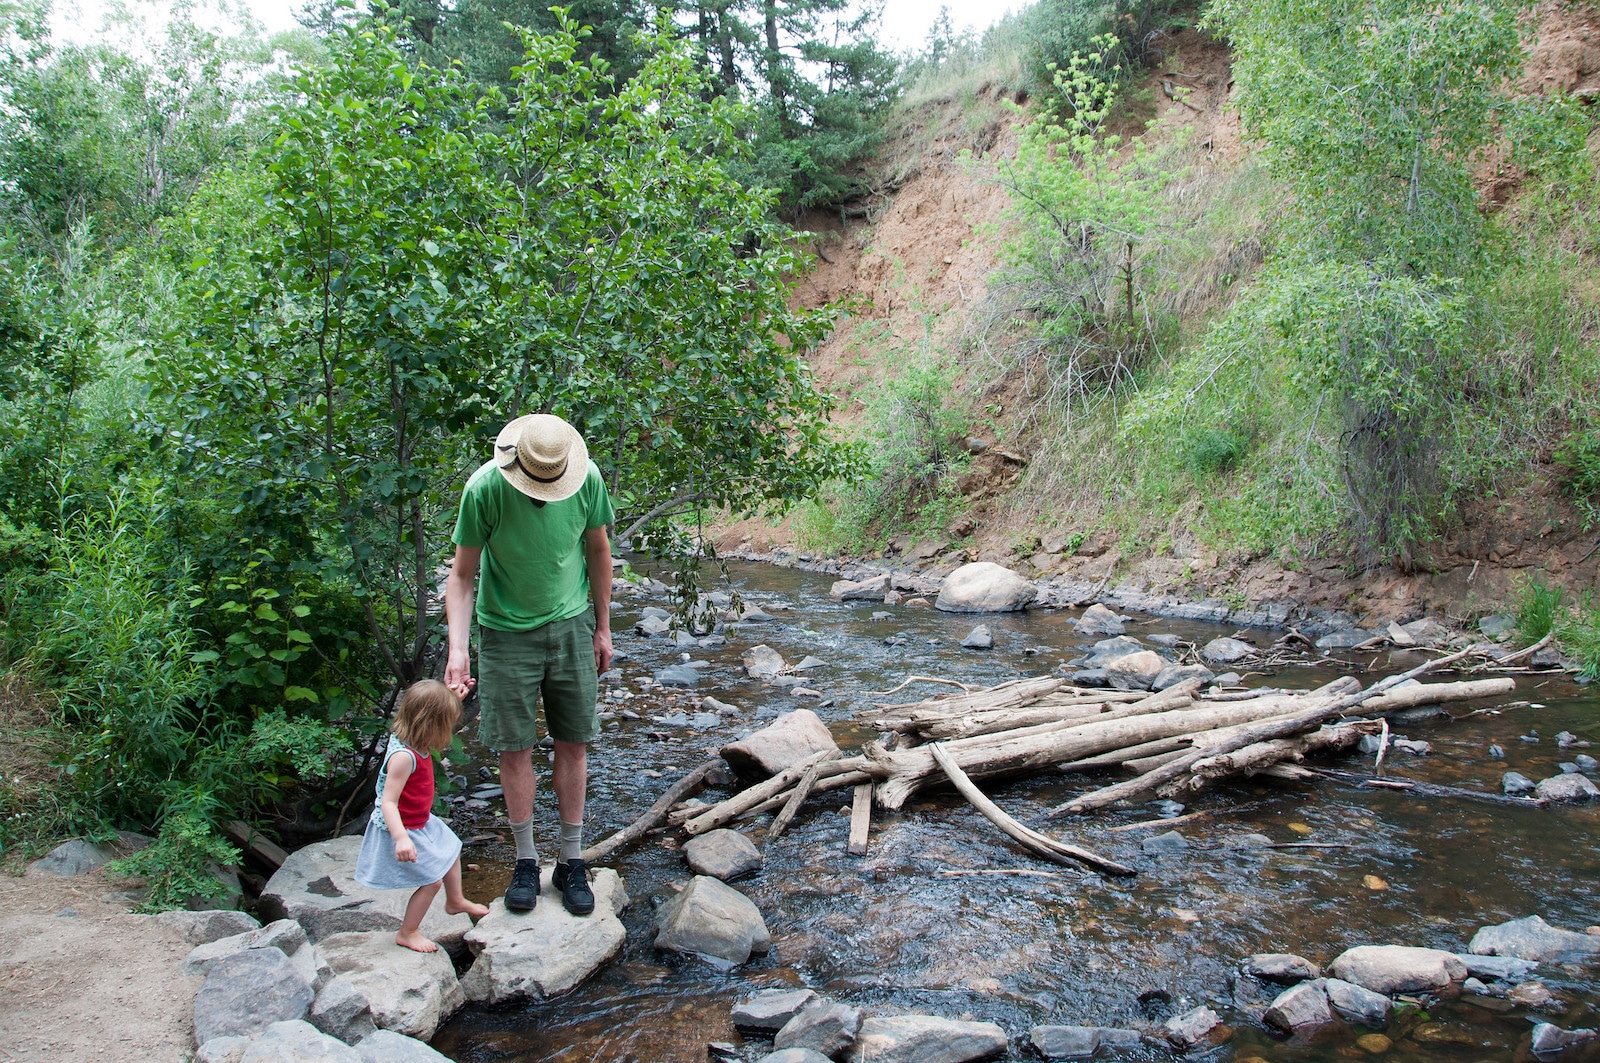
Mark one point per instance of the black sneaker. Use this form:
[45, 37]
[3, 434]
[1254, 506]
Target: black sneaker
[572, 879]
[523, 893]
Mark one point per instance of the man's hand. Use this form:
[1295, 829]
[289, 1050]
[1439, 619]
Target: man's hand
[602, 651]
[458, 672]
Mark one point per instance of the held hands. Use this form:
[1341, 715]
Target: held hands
[458, 673]
[405, 850]
[602, 651]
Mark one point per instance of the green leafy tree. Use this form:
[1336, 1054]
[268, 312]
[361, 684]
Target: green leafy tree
[433, 259]
[1374, 114]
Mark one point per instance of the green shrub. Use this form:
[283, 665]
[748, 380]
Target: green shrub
[183, 862]
[1578, 457]
[1580, 636]
[1538, 608]
[1214, 450]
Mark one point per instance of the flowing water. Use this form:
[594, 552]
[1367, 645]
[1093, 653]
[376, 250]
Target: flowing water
[889, 930]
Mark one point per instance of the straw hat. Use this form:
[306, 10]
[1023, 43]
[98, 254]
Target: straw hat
[542, 456]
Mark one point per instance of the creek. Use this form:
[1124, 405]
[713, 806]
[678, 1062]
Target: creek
[887, 930]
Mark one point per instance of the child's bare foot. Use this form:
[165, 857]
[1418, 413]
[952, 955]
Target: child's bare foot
[415, 941]
[477, 911]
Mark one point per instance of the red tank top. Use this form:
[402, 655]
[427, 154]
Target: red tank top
[416, 799]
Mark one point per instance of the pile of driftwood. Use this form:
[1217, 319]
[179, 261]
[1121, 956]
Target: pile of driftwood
[1177, 742]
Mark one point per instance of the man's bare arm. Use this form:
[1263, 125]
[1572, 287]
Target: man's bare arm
[597, 558]
[458, 596]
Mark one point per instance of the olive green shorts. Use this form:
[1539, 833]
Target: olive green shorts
[517, 668]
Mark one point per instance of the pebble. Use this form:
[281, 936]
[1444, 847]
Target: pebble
[1530, 739]
[1170, 842]
[1514, 782]
[1497, 753]
[1569, 767]
[1565, 739]
[1585, 762]
[1375, 1043]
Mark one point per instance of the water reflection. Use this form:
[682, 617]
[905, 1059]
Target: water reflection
[887, 929]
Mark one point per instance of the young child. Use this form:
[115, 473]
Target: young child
[406, 844]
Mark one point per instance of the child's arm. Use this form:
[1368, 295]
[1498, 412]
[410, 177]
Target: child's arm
[400, 769]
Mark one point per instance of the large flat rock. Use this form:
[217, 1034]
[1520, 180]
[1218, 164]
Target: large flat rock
[316, 888]
[245, 993]
[548, 951]
[1532, 938]
[984, 587]
[1392, 969]
[297, 1042]
[408, 992]
[786, 741]
[711, 919]
[925, 1039]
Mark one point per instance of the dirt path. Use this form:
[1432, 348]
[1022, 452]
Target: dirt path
[99, 986]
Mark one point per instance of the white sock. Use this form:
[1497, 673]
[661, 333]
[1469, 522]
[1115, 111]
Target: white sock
[571, 841]
[522, 833]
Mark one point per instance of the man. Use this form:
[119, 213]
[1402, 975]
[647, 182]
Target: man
[536, 515]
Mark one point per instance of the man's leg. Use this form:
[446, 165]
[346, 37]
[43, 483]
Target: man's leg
[571, 782]
[508, 691]
[570, 689]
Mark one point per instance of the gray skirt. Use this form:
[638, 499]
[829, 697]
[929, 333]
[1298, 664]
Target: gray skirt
[377, 869]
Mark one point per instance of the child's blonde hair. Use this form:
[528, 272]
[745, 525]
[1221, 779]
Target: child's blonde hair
[427, 715]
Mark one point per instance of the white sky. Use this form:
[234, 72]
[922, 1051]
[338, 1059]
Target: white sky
[905, 22]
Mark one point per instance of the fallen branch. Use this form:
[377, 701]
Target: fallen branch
[1425, 789]
[1528, 651]
[1001, 871]
[1171, 821]
[728, 810]
[1279, 728]
[653, 815]
[797, 797]
[918, 679]
[1031, 839]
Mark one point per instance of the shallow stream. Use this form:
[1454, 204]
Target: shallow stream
[889, 930]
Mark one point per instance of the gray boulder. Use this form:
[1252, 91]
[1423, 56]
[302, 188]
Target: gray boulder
[713, 920]
[1169, 842]
[1189, 1029]
[77, 856]
[762, 662]
[1551, 1042]
[678, 675]
[770, 1009]
[408, 992]
[1354, 1004]
[1499, 624]
[789, 739]
[1173, 674]
[315, 887]
[979, 638]
[1508, 968]
[1096, 620]
[1514, 782]
[1392, 969]
[285, 935]
[1567, 788]
[794, 1055]
[924, 1039]
[200, 928]
[723, 854]
[222, 1050]
[1227, 651]
[386, 1046]
[653, 627]
[1299, 1008]
[1107, 650]
[1347, 639]
[1135, 671]
[824, 1026]
[1285, 968]
[984, 587]
[1532, 939]
[297, 1042]
[342, 1010]
[1065, 1042]
[868, 590]
[245, 993]
[548, 951]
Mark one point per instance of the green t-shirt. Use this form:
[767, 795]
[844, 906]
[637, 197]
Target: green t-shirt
[533, 570]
